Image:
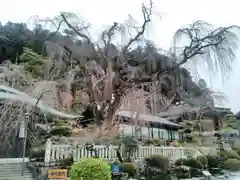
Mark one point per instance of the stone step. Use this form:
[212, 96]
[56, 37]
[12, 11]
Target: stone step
[13, 160]
[13, 172]
[15, 178]
[11, 167]
[16, 175]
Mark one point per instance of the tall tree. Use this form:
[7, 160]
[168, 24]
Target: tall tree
[111, 76]
[106, 72]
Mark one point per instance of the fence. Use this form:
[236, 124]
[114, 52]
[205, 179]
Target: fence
[57, 152]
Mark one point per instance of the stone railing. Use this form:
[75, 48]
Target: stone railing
[58, 152]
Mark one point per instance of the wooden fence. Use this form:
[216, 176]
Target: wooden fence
[58, 152]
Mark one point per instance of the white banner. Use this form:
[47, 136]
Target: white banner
[22, 129]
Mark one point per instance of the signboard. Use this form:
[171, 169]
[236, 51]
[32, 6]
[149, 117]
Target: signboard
[57, 174]
[22, 129]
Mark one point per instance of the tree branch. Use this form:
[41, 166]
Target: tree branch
[75, 29]
[200, 45]
[147, 18]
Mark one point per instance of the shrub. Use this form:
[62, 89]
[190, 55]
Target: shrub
[193, 162]
[60, 123]
[212, 161]
[230, 154]
[129, 168]
[129, 145]
[203, 160]
[188, 130]
[180, 161]
[158, 142]
[61, 131]
[41, 131]
[190, 138]
[66, 163]
[237, 151]
[236, 145]
[158, 161]
[175, 144]
[38, 151]
[182, 172]
[90, 169]
[217, 134]
[231, 164]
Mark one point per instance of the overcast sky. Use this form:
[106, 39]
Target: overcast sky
[174, 14]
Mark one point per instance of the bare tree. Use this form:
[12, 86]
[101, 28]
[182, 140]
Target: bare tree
[106, 76]
[215, 46]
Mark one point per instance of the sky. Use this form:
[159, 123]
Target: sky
[170, 15]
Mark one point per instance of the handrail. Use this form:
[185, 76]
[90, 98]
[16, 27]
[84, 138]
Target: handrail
[31, 136]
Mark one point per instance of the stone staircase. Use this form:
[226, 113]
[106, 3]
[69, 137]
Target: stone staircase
[12, 171]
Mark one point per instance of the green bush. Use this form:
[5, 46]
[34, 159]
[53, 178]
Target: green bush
[217, 135]
[236, 145]
[60, 123]
[193, 162]
[190, 138]
[175, 144]
[90, 169]
[129, 168]
[230, 154]
[158, 142]
[42, 132]
[231, 164]
[203, 160]
[212, 161]
[38, 151]
[237, 150]
[61, 131]
[158, 161]
[180, 161]
[181, 172]
[66, 163]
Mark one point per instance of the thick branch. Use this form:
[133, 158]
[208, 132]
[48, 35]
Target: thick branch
[75, 29]
[147, 18]
[198, 45]
[109, 35]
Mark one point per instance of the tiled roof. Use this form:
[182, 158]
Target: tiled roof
[146, 117]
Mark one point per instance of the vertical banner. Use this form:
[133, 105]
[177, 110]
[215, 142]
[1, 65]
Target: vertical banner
[22, 129]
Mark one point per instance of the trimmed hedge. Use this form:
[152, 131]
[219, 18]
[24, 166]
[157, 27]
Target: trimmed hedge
[158, 161]
[90, 169]
[231, 164]
[212, 161]
[230, 154]
[190, 162]
[129, 168]
[203, 160]
[61, 131]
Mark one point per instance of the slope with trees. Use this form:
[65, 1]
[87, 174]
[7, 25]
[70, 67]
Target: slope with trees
[105, 72]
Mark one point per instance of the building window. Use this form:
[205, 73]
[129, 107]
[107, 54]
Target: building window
[177, 135]
[182, 135]
[174, 135]
[165, 134]
[127, 130]
[145, 132]
[138, 132]
[156, 134]
[170, 137]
